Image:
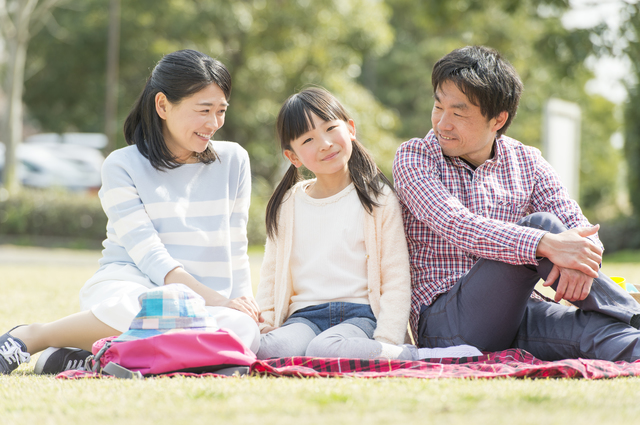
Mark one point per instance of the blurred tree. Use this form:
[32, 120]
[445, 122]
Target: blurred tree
[376, 56]
[630, 30]
[529, 33]
[19, 21]
[113, 64]
[272, 49]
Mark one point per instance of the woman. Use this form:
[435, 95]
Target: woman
[177, 204]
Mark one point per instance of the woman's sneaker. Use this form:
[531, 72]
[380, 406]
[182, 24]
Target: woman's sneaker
[52, 361]
[13, 352]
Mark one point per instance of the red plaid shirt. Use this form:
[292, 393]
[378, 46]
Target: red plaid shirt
[454, 215]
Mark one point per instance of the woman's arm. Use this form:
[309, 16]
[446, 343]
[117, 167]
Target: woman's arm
[241, 271]
[130, 226]
[212, 298]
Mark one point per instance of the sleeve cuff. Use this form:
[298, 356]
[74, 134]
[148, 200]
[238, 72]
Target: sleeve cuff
[527, 245]
[159, 273]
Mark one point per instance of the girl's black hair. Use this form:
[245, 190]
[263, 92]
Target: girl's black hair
[295, 119]
[178, 75]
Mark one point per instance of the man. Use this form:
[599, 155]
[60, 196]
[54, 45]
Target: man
[486, 217]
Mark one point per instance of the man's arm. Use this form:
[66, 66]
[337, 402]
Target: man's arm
[420, 189]
[576, 261]
[429, 201]
[576, 253]
[550, 195]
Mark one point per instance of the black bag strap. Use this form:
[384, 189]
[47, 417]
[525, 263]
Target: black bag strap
[112, 368]
[118, 371]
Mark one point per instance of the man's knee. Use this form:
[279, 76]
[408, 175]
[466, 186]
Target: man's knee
[543, 221]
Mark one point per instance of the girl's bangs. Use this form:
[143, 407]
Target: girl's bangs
[297, 120]
[297, 117]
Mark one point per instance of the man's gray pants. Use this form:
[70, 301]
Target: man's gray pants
[491, 308]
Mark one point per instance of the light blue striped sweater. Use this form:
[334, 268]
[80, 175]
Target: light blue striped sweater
[194, 216]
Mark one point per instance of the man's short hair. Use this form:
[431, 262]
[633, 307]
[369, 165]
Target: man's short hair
[486, 78]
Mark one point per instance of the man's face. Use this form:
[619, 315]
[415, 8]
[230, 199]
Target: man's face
[461, 128]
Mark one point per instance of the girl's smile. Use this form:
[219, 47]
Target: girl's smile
[330, 156]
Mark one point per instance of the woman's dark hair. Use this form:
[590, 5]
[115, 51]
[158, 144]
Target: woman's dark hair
[486, 78]
[295, 119]
[178, 75]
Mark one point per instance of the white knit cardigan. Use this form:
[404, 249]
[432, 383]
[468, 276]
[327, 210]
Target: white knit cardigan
[389, 279]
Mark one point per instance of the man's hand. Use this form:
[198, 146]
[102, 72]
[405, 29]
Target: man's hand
[246, 305]
[572, 250]
[572, 286]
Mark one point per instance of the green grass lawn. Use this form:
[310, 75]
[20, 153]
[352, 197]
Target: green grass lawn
[41, 291]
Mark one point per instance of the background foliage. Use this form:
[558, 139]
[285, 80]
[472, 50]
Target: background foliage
[376, 56]
[52, 213]
[630, 30]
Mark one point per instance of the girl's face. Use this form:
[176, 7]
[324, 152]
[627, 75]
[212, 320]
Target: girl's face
[188, 126]
[325, 150]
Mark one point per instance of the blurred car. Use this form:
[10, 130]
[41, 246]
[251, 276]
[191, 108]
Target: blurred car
[70, 160]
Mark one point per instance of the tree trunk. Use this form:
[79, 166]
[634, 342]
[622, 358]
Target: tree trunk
[111, 95]
[17, 49]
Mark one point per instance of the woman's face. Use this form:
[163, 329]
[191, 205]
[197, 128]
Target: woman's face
[188, 126]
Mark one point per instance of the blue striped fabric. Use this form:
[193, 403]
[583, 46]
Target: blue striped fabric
[194, 216]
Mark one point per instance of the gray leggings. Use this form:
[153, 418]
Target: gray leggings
[490, 308]
[342, 340]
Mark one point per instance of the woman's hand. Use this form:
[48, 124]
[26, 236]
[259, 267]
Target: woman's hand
[246, 305]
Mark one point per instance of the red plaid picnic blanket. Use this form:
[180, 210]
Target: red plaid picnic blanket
[509, 363]
[513, 362]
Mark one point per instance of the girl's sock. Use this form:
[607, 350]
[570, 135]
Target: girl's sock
[440, 353]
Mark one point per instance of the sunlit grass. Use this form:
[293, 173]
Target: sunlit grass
[33, 291]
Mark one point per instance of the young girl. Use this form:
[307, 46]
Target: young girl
[177, 204]
[335, 280]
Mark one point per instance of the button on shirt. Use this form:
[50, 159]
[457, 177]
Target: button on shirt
[454, 215]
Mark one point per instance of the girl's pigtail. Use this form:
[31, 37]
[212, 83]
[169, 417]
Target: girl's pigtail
[290, 178]
[367, 178]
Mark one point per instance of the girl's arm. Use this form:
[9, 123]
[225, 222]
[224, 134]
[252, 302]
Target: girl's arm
[266, 288]
[395, 275]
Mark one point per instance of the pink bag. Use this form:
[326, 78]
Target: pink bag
[185, 351]
[172, 332]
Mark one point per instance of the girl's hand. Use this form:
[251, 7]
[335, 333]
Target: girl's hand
[267, 329]
[246, 305]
